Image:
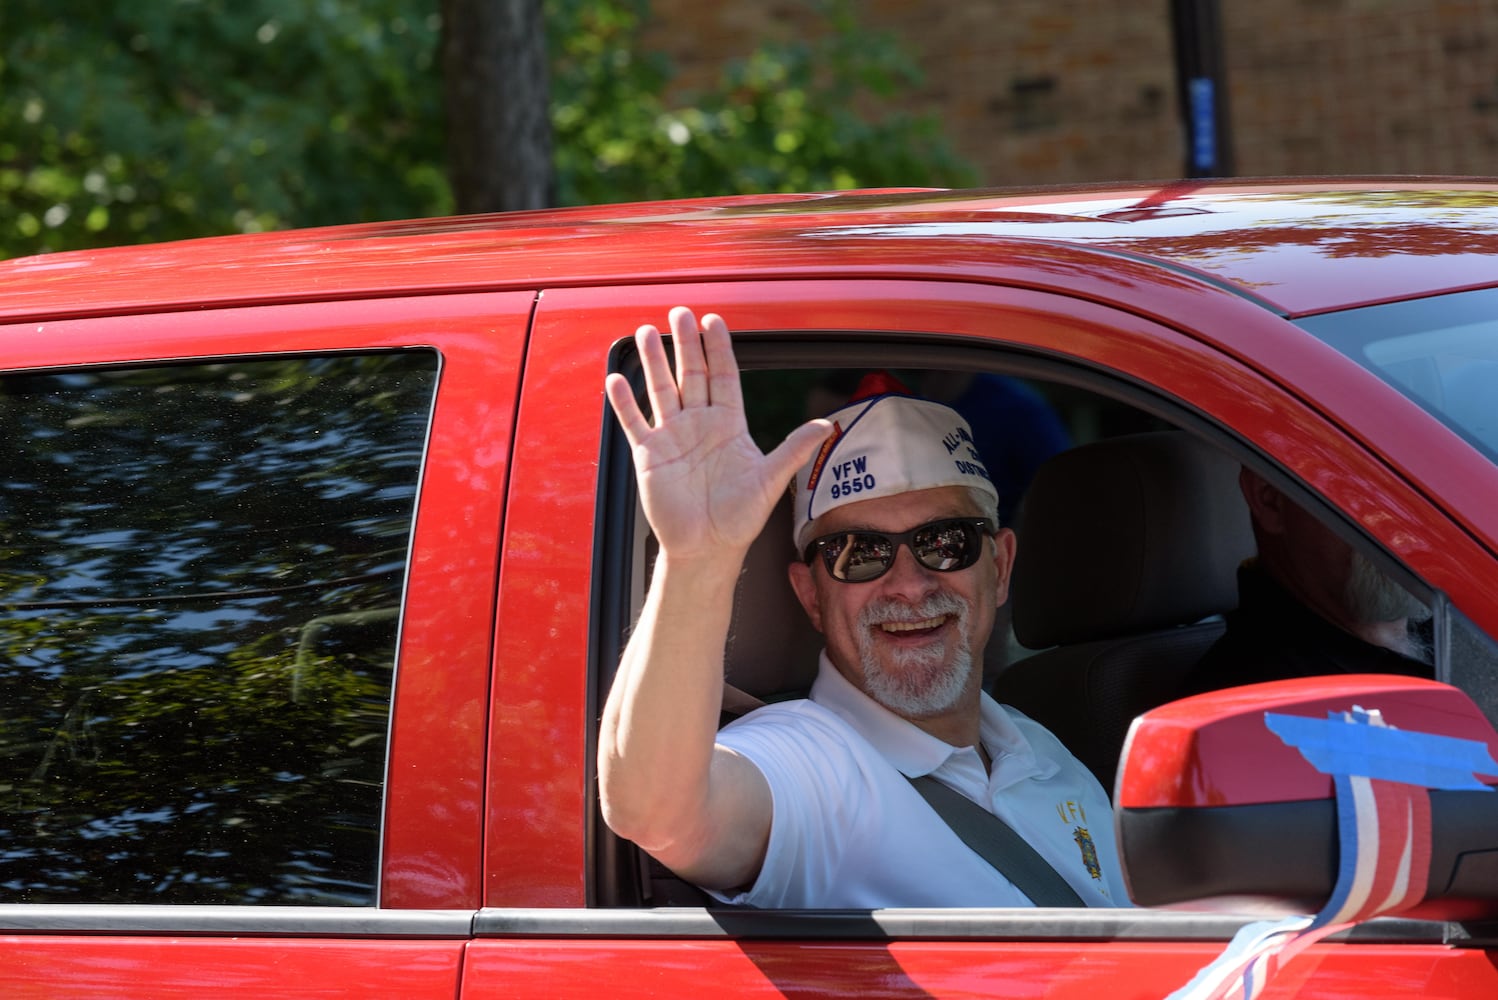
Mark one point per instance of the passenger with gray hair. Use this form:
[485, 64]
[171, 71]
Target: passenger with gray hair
[1309, 604]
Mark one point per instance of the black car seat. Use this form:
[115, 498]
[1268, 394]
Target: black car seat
[1127, 558]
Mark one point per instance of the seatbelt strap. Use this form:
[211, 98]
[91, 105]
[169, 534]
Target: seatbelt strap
[995, 842]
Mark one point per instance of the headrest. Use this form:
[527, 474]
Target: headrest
[1126, 535]
[772, 648]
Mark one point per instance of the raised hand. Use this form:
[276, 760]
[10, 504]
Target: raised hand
[706, 487]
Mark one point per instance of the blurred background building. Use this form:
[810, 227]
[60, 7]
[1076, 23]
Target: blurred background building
[192, 119]
[1039, 91]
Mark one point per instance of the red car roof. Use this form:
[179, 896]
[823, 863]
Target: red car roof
[1298, 247]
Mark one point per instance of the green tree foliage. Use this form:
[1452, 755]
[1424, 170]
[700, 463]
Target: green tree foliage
[124, 123]
[794, 116]
[155, 121]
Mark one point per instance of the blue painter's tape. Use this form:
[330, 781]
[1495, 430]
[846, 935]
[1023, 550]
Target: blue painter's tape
[1338, 745]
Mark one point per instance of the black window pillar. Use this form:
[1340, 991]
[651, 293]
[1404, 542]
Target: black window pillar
[1201, 82]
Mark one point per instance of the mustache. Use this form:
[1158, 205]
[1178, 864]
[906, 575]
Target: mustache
[888, 609]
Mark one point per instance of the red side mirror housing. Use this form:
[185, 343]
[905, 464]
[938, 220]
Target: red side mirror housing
[1215, 811]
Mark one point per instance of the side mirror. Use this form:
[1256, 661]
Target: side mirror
[1216, 810]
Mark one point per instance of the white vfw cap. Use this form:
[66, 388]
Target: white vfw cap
[886, 442]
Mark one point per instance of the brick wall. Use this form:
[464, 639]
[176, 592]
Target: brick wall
[1364, 86]
[1037, 91]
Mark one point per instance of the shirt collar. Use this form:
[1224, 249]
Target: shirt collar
[915, 752]
[1014, 757]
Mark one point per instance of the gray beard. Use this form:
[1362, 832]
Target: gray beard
[920, 683]
[1371, 596]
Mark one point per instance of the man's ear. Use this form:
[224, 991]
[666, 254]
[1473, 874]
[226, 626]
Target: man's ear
[806, 592]
[1266, 504]
[1003, 563]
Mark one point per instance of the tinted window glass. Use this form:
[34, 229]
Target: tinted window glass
[1441, 352]
[201, 569]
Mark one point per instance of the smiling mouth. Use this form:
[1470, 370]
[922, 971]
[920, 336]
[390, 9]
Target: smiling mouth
[926, 625]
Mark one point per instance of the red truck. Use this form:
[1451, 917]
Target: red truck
[319, 549]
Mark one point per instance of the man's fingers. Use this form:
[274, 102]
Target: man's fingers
[706, 372]
[659, 385]
[691, 365]
[798, 446]
[722, 366]
[622, 399]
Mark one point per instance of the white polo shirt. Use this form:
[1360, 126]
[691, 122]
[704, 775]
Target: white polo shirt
[849, 830]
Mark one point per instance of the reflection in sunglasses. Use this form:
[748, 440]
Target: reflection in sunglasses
[946, 545]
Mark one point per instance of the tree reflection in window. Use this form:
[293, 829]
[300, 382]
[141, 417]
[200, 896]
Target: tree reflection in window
[201, 568]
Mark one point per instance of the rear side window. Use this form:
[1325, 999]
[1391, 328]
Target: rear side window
[201, 570]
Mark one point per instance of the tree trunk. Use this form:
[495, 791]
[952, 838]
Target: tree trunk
[495, 71]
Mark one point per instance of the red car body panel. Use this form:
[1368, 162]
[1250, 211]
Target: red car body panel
[488, 802]
[1304, 248]
[1131, 970]
[179, 967]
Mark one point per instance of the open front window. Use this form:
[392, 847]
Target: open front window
[1135, 544]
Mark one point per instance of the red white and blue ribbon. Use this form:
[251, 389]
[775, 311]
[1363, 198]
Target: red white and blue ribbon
[1382, 777]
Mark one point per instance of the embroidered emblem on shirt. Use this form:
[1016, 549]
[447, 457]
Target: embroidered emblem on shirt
[1089, 852]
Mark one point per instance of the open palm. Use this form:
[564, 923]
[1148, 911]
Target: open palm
[706, 487]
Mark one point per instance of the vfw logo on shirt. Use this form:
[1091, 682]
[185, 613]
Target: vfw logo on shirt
[1071, 812]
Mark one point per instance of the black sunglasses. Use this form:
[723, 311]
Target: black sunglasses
[946, 546]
